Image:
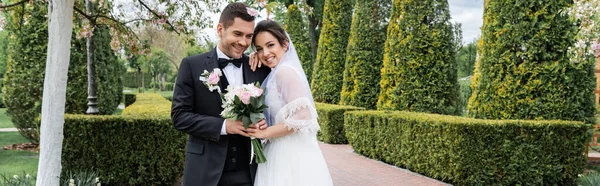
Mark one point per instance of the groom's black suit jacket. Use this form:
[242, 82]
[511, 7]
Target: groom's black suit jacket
[196, 111]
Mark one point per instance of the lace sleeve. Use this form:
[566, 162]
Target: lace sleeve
[298, 112]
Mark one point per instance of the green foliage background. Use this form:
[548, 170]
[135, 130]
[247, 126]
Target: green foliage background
[419, 68]
[524, 71]
[364, 54]
[331, 55]
[26, 63]
[296, 27]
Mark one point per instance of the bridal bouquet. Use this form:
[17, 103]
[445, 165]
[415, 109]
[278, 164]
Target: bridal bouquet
[246, 103]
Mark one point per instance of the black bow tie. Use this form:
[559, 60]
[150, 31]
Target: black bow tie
[224, 62]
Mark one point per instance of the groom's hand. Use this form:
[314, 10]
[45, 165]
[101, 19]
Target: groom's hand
[235, 127]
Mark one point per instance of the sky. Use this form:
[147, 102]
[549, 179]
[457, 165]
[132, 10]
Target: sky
[467, 12]
[470, 14]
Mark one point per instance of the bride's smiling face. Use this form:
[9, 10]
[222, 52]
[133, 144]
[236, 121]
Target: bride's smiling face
[268, 49]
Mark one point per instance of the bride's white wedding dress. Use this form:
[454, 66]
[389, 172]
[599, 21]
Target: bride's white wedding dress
[294, 159]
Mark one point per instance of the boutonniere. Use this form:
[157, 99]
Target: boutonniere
[211, 79]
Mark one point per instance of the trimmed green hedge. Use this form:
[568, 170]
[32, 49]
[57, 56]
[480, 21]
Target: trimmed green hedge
[419, 65]
[139, 148]
[364, 54]
[524, 70]
[327, 74]
[168, 97]
[130, 79]
[149, 105]
[331, 120]
[466, 151]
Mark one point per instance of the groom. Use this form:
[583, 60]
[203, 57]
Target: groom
[218, 150]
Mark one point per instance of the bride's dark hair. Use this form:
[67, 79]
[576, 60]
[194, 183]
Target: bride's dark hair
[272, 27]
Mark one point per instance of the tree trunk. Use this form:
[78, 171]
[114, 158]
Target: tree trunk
[143, 84]
[163, 79]
[154, 79]
[60, 28]
[138, 78]
[91, 69]
[174, 64]
[312, 33]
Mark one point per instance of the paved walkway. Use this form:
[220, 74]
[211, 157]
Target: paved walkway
[593, 156]
[8, 130]
[349, 168]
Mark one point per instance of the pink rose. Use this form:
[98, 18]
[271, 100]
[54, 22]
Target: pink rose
[213, 78]
[257, 92]
[246, 97]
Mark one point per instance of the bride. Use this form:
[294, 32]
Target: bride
[292, 152]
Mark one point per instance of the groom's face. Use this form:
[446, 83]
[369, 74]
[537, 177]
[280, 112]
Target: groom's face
[236, 38]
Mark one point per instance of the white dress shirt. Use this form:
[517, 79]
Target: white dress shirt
[234, 76]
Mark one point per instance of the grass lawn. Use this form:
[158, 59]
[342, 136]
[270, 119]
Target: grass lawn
[118, 112]
[14, 162]
[166, 93]
[135, 91]
[9, 138]
[5, 120]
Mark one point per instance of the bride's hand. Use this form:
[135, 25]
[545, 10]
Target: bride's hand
[260, 134]
[262, 124]
[254, 61]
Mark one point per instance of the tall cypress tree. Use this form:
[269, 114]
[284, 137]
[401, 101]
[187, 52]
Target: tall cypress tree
[298, 31]
[109, 80]
[524, 71]
[364, 54]
[23, 83]
[419, 68]
[331, 56]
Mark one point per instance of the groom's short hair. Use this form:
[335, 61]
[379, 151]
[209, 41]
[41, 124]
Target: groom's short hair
[232, 11]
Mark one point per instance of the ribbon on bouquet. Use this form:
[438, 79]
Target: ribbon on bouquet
[261, 143]
[251, 151]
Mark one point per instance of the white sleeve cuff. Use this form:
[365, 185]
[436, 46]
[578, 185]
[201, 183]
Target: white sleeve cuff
[224, 128]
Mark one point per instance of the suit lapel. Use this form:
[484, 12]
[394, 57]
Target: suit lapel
[249, 76]
[212, 63]
[212, 60]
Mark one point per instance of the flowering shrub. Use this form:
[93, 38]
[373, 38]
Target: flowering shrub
[17, 180]
[584, 13]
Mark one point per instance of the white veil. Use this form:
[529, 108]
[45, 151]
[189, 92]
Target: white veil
[288, 77]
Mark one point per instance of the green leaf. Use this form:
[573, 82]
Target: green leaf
[253, 101]
[237, 101]
[246, 121]
[255, 117]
